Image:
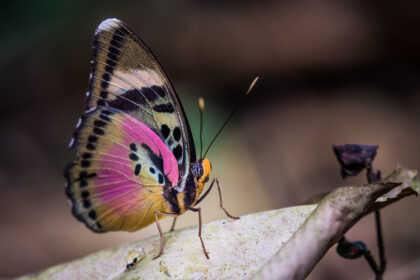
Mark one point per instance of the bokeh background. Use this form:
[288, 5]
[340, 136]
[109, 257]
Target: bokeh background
[330, 72]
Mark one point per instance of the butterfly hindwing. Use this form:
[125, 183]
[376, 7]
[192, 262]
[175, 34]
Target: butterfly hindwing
[127, 76]
[123, 168]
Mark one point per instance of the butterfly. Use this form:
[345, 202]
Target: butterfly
[136, 159]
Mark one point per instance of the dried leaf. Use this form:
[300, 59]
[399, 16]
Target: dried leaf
[409, 184]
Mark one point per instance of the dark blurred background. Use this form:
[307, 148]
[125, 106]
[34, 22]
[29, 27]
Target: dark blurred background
[330, 72]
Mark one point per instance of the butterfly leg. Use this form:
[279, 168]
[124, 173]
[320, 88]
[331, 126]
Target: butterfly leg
[221, 200]
[160, 230]
[173, 224]
[198, 209]
[220, 196]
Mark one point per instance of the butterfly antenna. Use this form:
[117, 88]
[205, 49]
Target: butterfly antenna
[201, 107]
[251, 86]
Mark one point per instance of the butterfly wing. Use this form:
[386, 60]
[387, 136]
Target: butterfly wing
[123, 170]
[134, 144]
[128, 77]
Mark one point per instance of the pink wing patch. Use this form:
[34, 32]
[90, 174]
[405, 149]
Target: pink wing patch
[133, 131]
[145, 135]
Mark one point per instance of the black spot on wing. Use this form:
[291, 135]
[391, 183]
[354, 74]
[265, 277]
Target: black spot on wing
[177, 151]
[90, 147]
[156, 160]
[111, 63]
[116, 41]
[118, 35]
[106, 77]
[149, 93]
[104, 84]
[83, 183]
[121, 31]
[106, 112]
[98, 131]
[137, 169]
[83, 177]
[112, 56]
[159, 90]
[92, 139]
[85, 194]
[133, 147]
[95, 44]
[109, 69]
[99, 123]
[128, 101]
[177, 134]
[134, 157]
[160, 176]
[103, 94]
[92, 214]
[153, 92]
[86, 155]
[104, 117]
[165, 130]
[114, 50]
[86, 203]
[164, 108]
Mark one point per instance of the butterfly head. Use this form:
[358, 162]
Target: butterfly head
[201, 170]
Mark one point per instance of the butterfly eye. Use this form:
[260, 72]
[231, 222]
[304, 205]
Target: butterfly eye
[197, 169]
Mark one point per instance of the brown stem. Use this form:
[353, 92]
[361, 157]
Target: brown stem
[381, 248]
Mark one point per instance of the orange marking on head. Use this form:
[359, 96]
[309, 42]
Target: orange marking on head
[205, 177]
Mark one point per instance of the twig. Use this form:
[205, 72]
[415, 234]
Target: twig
[354, 158]
[373, 177]
[381, 247]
